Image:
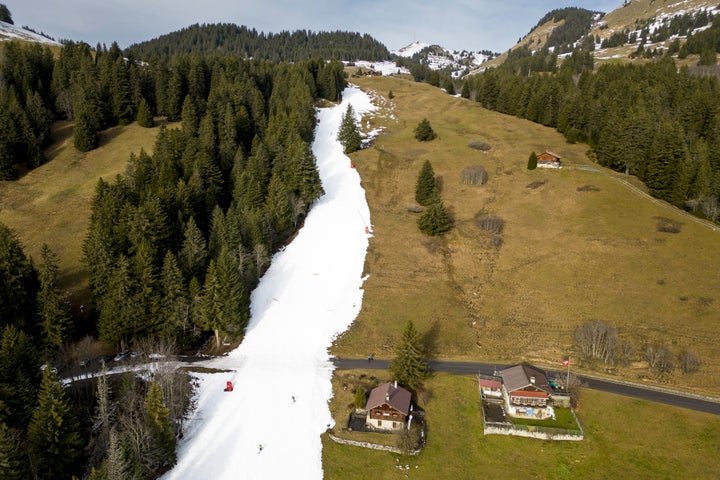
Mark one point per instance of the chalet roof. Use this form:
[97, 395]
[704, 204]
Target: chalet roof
[521, 376]
[553, 154]
[388, 394]
[490, 383]
[529, 394]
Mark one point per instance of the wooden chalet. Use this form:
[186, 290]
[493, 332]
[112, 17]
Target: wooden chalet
[548, 159]
[388, 407]
[525, 387]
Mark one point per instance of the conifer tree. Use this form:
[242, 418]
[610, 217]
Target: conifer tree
[18, 281]
[85, 131]
[12, 464]
[53, 434]
[122, 104]
[424, 132]
[175, 310]
[408, 367]
[532, 161]
[193, 255]
[425, 187]
[349, 134]
[52, 302]
[157, 421]
[20, 376]
[144, 114]
[278, 208]
[435, 219]
[5, 15]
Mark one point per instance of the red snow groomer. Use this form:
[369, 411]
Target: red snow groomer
[228, 386]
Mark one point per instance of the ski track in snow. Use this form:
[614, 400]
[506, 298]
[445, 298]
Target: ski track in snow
[311, 293]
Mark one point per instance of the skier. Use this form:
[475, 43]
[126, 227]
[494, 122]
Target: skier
[293, 398]
[260, 447]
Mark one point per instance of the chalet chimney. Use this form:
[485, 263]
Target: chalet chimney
[395, 383]
[532, 379]
[387, 397]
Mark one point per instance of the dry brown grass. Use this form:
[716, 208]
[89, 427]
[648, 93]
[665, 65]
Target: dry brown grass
[51, 204]
[567, 256]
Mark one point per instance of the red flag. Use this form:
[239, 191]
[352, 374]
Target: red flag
[566, 363]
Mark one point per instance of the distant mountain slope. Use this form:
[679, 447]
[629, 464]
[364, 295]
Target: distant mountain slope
[228, 38]
[10, 32]
[435, 57]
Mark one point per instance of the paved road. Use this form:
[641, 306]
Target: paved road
[472, 368]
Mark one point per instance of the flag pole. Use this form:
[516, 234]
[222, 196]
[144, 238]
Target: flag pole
[566, 363]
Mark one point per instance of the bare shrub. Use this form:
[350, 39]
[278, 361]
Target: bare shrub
[668, 225]
[689, 362]
[491, 223]
[626, 351]
[479, 145]
[409, 440]
[597, 340]
[588, 188]
[474, 175]
[536, 184]
[659, 358]
[496, 241]
[574, 384]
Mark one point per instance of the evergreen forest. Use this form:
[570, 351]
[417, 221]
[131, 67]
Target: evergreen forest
[231, 39]
[175, 244]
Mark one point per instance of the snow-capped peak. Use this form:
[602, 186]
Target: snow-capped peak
[410, 50]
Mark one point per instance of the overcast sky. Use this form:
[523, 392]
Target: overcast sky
[456, 24]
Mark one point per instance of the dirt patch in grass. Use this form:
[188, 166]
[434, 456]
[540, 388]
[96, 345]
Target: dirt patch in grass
[589, 188]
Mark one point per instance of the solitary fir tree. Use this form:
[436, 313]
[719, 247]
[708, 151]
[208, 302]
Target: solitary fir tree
[408, 367]
[435, 219]
[425, 187]
[349, 134]
[532, 161]
[424, 132]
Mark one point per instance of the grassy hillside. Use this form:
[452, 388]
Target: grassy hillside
[617, 444]
[51, 204]
[578, 247]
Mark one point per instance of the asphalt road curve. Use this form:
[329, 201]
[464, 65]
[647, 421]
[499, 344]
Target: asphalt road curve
[471, 368]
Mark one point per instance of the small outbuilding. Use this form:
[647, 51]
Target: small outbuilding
[548, 159]
[388, 407]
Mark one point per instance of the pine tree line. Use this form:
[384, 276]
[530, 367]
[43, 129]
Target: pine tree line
[231, 39]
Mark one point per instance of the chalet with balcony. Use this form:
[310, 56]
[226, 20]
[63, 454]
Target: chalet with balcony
[525, 387]
[388, 407]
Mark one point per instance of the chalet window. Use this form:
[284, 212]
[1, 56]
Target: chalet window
[379, 423]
